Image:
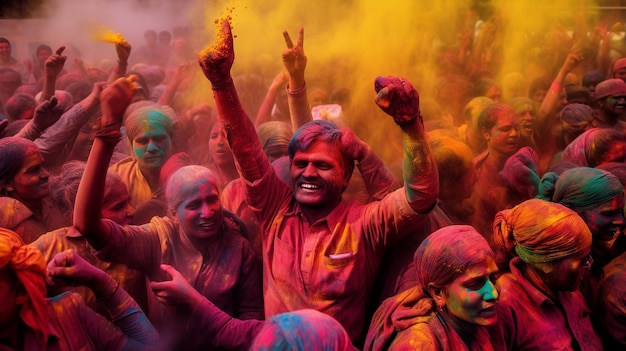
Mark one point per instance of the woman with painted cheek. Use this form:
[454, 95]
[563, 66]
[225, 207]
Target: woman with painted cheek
[498, 124]
[25, 206]
[548, 248]
[454, 300]
[221, 161]
[598, 198]
[149, 131]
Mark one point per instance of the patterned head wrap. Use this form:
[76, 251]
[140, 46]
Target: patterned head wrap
[539, 231]
[580, 188]
[303, 330]
[29, 265]
[576, 117]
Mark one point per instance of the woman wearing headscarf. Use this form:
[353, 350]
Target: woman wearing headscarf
[302, 330]
[149, 129]
[29, 321]
[499, 126]
[116, 208]
[197, 236]
[594, 147]
[452, 302]
[597, 197]
[541, 307]
[25, 204]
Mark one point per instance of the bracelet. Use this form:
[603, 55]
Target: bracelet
[109, 133]
[222, 86]
[122, 64]
[117, 286]
[296, 91]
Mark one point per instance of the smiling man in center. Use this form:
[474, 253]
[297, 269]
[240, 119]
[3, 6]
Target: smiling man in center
[320, 251]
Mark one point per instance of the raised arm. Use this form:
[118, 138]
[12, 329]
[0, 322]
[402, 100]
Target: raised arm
[46, 114]
[397, 97]
[216, 62]
[550, 102]
[265, 110]
[67, 268]
[87, 208]
[295, 61]
[378, 179]
[52, 143]
[122, 49]
[52, 67]
[220, 329]
[183, 72]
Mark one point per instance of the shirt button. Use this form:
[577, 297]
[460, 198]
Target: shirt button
[308, 253]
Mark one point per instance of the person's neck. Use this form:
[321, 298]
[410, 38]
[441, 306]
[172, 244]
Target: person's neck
[315, 213]
[152, 177]
[33, 205]
[464, 329]
[538, 279]
[499, 158]
[202, 245]
[604, 120]
[226, 174]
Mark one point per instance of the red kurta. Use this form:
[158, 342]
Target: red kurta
[530, 320]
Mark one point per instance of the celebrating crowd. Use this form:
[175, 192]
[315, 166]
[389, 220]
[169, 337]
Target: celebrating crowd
[133, 219]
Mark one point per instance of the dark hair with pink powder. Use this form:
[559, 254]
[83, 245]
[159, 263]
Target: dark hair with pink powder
[13, 152]
[318, 130]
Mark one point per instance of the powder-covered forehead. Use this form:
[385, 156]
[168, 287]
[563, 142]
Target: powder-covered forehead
[146, 117]
[13, 153]
[186, 181]
[447, 252]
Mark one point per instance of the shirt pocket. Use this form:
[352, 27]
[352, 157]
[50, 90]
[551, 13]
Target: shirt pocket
[337, 276]
[283, 262]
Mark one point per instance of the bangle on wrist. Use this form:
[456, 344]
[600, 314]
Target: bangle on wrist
[296, 91]
[109, 296]
[110, 132]
[122, 63]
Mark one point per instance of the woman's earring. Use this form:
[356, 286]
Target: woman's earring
[9, 189]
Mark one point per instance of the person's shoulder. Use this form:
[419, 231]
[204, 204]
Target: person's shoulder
[124, 163]
[65, 301]
[57, 237]
[419, 336]
[13, 212]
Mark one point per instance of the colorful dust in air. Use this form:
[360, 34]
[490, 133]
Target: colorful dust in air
[103, 34]
[349, 43]
[443, 47]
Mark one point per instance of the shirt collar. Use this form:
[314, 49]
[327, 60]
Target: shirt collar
[536, 296]
[332, 219]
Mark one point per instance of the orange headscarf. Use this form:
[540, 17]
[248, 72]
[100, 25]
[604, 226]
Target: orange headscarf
[29, 266]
